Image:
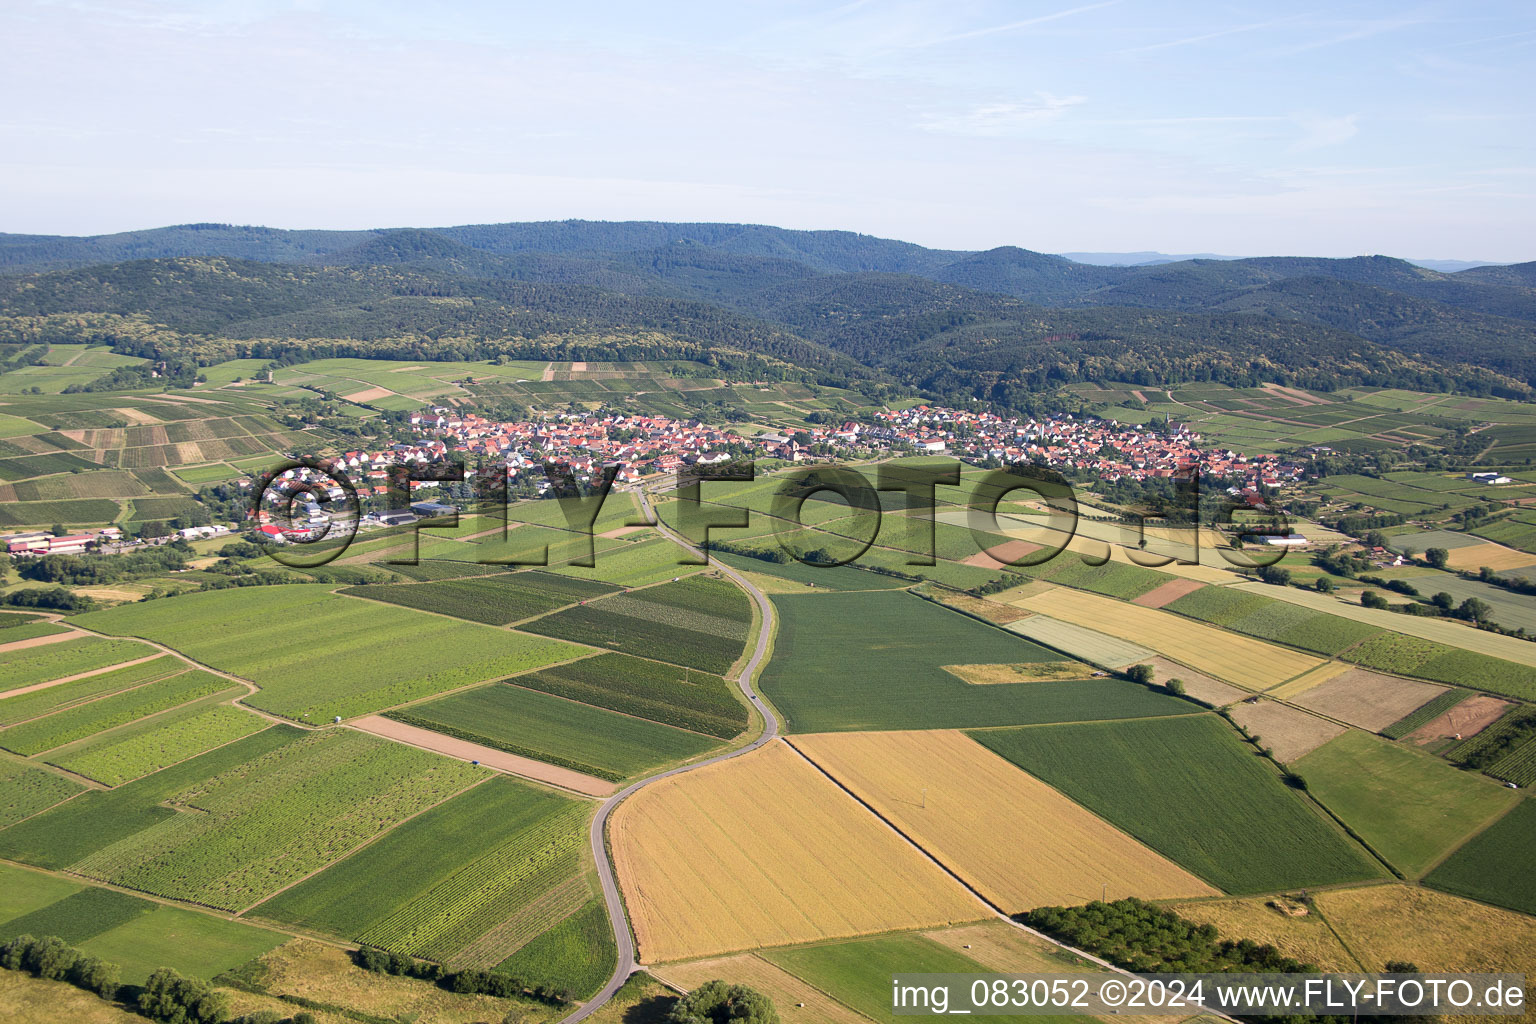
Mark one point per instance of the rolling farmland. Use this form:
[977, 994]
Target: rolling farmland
[26, 789]
[1236, 659]
[693, 890]
[687, 699]
[92, 717]
[69, 658]
[495, 601]
[549, 728]
[700, 622]
[1188, 788]
[1367, 700]
[1495, 865]
[985, 819]
[1411, 808]
[346, 658]
[875, 660]
[115, 758]
[270, 821]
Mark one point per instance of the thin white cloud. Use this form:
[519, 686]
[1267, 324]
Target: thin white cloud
[1218, 34]
[1014, 26]
[996, 119]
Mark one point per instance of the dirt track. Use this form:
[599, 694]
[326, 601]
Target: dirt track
[489, 756]
[38, 641]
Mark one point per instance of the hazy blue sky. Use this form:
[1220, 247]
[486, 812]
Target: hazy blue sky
[1244, 128]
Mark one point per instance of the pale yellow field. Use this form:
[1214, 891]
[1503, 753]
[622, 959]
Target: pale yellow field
[777, 984]
[764, 850]
[1029, 672]
[1316, 677]
[1005, 949]
[1307, 938]
[1013, 838]
[1237, 659]
[1494, 556]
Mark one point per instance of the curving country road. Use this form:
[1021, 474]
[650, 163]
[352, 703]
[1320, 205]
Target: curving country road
[625, 964]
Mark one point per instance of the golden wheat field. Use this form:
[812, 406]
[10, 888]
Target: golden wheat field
[787, 991]
[1016, 840]
[1494, 556]
[1316, 677]
[764, 850]
[1237, 659]
[1306, 937]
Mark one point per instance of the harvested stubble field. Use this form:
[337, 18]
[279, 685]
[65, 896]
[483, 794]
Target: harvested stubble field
[462, 874]
[1190, 789]
[992, 611]
[1305, 937]
[1081, 642]
[1028, 672]
[1412, 808]
[1367, 700]
[1435, 708]
[1236, 659]
[982, 817]
[1468, 718]
[346, 658]
[1196, 684]
[701, 622]
[1167, 593]
[1283, 729]
[271, 821]
[874, 660]
[1495, 866]
[819, 866]
[1304, 682]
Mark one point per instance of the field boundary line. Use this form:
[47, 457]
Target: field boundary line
[1485, 826]
[624, 714]
[34, 687]
[362, 846]
[237, 739]
[100, 696]
[208, 699]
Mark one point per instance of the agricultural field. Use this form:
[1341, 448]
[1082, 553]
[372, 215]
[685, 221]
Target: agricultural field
[95, 716]
[195, 945]
[577, 954]
[982, 818]
[47, 699]
[1426, 713]
[1081, 642]
[875, 660]
[1410, 807]
[69, 658]
[702, 622]
[80, 915]
[1367, 700]
[802, 576]
[1190, 789]
[345, 658]
[23, 891]
[821, 865]
[632, 564]
[1260, 616]
[495, 601]
[562, 732]
[1494, 866]
[1306, 937]
[126, 754]
[1236, 659]
[1427, 659]
[680, 697]
[812, 1004]
[26, 789]
[493, 834]
[1283, 730]
[271, 821]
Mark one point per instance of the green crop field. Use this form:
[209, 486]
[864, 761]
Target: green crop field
[700, 622]
[1259, 616]
[577, 954]
[430, 859]
[271, 821]
[1517, 766]
[1190, 789]
[1426, 714]
[52, 698]
[562, 732]
[17, 632]
[633, 564]
[97, 819]
[428, 570]
[1428, 659]
[26, 789]
[119, 757]
[84, 511]
[495, 601]
[469, 916]
[92, 717]
[682, 697]
[194, 945]
[1412, 808]
[23, 891]
[1112, 579]
[199, 475]
[858, 972]
[68, 658]
[79, 916]
[318, 654]
[840, 577]
[1495, 865]
[873, 660]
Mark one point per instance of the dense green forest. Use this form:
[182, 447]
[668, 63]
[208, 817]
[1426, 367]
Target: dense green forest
[1001, 326]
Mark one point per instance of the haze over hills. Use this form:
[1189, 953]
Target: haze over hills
[1000, 325]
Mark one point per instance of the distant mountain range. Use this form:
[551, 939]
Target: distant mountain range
[1006, 325]
[1142, 259]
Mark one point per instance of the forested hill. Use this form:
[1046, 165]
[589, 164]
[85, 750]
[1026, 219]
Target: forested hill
[833, 305]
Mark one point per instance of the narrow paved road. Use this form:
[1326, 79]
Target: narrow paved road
[616, 913]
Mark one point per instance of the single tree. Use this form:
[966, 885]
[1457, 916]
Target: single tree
[1437, 557]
